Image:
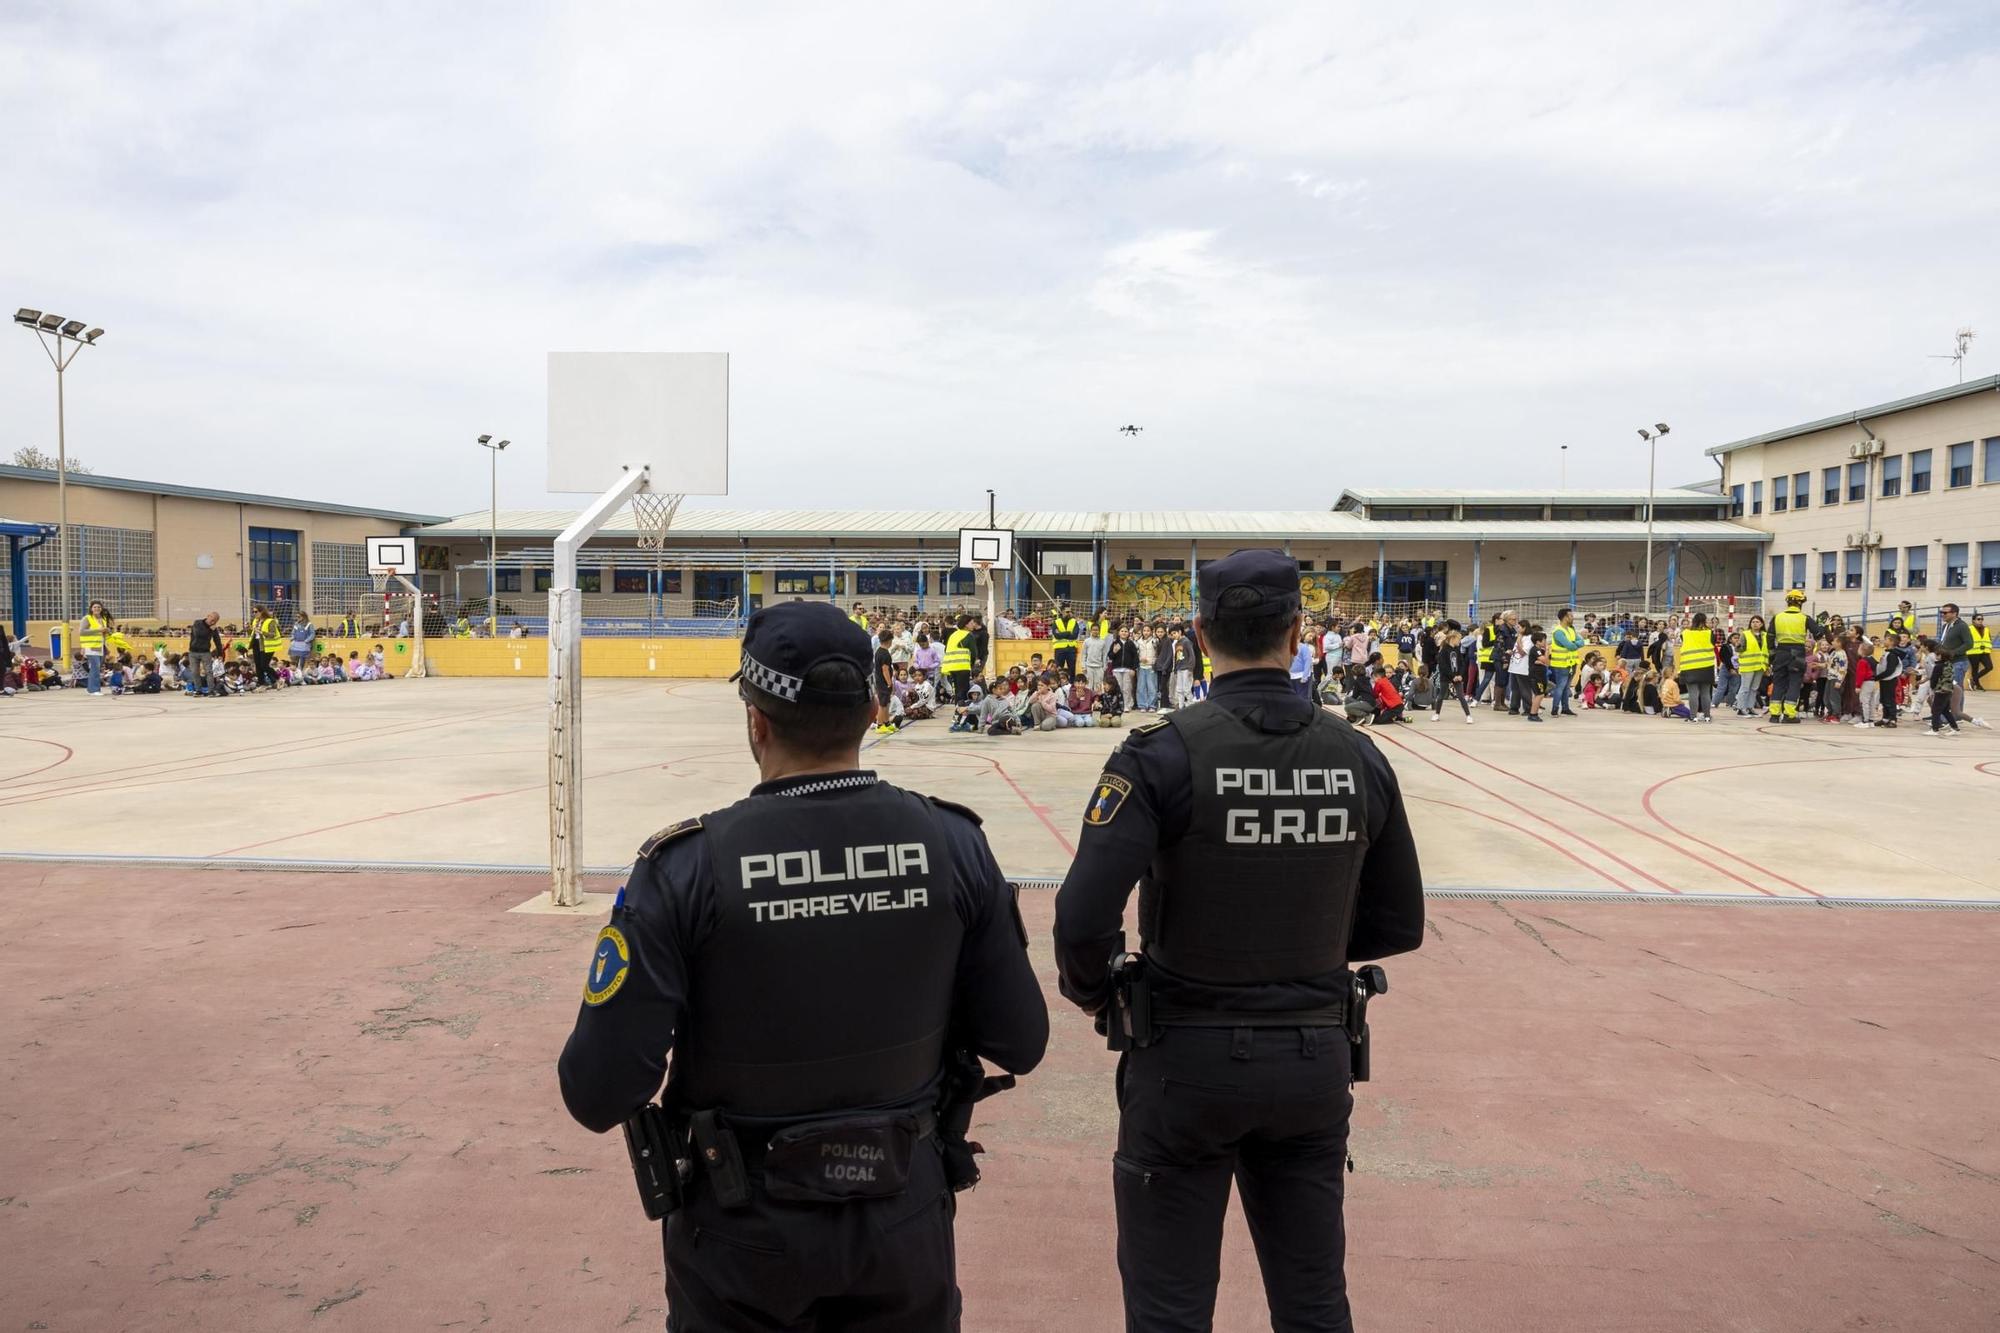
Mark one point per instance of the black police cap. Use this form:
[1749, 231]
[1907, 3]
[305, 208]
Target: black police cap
[783, 643]
[1272, 575]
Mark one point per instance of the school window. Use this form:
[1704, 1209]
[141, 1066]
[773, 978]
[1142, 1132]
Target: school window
[1736, 502]
[1857, 481]
[1851, 569]
[1756, 497]
[801, 583]
[1958, 462]
[274, 565]
[888, 582]
[1781, 494]
[1917, 567]
[719, 585]
[545, 579]
[960, 583]
[590, 580]
[1827, 578]
[1992, 459]
[507, 580]
[1955, 556]
[1892, 477]
[1830, 485]
[1305, 566]
[629, 580]
[1331, 567]
[1920, 471]
[1777, 571]
[1798, 571]
[1886, 577]
[1134, 562]
[1801, 489]
[1989, 564]
[1159, 565]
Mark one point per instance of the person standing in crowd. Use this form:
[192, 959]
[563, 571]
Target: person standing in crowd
[1955, 646]
[1243, 1074]
[800, 1039]
[1696, 662]
[1096, 653]
[1792, 633]
[1980, 655]
[92, 638]
[1063, 639]
[1302, 668]
[957, 661]
[1889, 677]
[883, 677]
[859, 615]
[926, 656]
[267, 640]
[1565, 651]
[1145, 648]
[979, 643]
[301, 644]
[1122, 657]
[1183, 660]
[1751, 663]
[1492, 667]
[1453, 674]
[203, 644]
[1520, 660]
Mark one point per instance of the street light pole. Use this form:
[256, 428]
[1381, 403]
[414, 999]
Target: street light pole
[71, 332]
[1652, 439]
[493, 538]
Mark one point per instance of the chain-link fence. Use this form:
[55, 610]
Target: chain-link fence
[109, 565]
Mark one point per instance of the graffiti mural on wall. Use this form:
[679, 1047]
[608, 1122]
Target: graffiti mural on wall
[1166, 590]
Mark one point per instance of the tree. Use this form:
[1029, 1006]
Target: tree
[29, 456]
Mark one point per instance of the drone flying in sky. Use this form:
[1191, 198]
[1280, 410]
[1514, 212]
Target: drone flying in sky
[1130, 430]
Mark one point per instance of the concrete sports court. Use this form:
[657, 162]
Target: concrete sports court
[241, 1095]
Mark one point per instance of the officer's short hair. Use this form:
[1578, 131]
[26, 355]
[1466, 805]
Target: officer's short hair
[817, 728]
[1243, 637]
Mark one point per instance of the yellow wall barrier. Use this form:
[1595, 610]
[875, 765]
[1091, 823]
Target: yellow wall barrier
[677, 659]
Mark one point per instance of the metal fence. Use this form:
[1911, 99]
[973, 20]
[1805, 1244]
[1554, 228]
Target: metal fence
[110, 565]
[339, 576]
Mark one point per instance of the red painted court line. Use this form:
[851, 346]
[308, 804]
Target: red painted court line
[1039, 811]
[1509, 824]
[1606, 815]
[1484, 791]
[67, 755]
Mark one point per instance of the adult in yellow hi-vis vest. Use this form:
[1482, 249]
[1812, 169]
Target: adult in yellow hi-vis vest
[957, 661]
[860, 616]
[1792, 633]
[1565, 652]
[1062, 640]
[1696, 664]
[1753, 660]
[96, 629]
[1980, 655]
[267, 640]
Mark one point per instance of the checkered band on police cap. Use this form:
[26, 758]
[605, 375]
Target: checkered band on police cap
[770, 679]
[782, 644]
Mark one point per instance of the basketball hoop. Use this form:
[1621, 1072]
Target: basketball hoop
[984, 571]
[652, 515]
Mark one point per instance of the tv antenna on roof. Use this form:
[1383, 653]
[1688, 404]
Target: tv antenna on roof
[1960, 342]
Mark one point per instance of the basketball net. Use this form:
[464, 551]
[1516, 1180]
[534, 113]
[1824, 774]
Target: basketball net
[652, 515]
[985, 571]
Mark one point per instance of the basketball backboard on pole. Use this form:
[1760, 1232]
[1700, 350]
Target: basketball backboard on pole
[395, 559]
[638, 427]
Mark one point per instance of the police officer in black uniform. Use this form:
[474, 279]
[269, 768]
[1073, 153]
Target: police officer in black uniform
[813, 956]
[1271, 850]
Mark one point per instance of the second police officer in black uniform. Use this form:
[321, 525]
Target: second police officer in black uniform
[1271, 850]
[813, 956]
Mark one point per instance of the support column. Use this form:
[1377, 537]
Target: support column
[922, 576]
[1478, 548]
[1572, 574]
[1381, 575]
[1194, 577]
[1757, 563]
[1673, 574]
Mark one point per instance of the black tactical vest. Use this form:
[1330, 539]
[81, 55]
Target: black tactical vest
[1262, 885]
[826, 984]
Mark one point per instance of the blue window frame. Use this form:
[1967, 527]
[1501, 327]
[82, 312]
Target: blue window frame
[1777, 571]
[274, 566]
[1736, 502]
[719, 585]
[1857, 481]
[1850, 570]
[1756, 497]
[1801, 490]
[1892, 477]
[1959, 460]
[960, 583]
[888, 582]
[1828, 579]
[1920, 471]
[1798, 572]
[1955, 556]
[1989, 564]
[507, 580]
[1992, 459]
[1830, 484]
[1917, 567]
[1886, 577]
[1781, 494]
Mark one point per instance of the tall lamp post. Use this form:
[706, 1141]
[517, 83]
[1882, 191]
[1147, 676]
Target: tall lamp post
[62, 339]
[493, 448]
[1652, 439]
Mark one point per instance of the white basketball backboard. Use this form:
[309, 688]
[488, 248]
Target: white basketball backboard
[392, 555]
[990, 546]
[616, 412]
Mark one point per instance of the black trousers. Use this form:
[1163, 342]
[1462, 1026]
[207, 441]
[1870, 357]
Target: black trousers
[1981, 664]
[875, 1266]
[262, 661]
[1063, 659]
[1266, 1108]
[961, 685]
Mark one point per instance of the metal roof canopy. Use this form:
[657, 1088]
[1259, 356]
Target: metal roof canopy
[206, 493]
[1990, 384]
[13, 528]
[808, 558]
[1413, 495]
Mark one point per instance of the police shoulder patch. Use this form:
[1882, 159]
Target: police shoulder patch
[955, 808]
[1154, 725]
[668, 834]
[609, 963]
[1107, 798]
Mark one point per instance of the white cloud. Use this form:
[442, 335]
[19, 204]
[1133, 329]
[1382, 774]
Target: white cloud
[1300, 243]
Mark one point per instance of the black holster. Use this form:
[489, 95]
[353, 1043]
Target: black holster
[660, 1163]
[1364, 983]
[721, 1159]
[1126, 1021]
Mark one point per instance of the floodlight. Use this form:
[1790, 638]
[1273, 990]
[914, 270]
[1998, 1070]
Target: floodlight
[503, 444]
[93, 335]
[72, 328]
[26, 316]
[1660, 426]
[50, 322]
[1645, 434]
[484, 438]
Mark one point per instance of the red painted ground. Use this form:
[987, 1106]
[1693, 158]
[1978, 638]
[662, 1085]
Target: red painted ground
[256, 1101]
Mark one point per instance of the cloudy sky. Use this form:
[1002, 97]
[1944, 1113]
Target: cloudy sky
[953, 247]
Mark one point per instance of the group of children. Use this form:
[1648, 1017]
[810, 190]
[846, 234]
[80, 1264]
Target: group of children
[1025, 700]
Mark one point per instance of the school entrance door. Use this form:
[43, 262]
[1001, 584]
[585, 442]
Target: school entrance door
[1413, 581]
